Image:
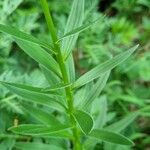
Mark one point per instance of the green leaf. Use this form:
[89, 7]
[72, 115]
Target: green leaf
[104, 67]
[7, 144]
[39, 55]
[56, 87]
[79, 29]
[95, 90]
[11, 136]
[75, 20]
[36, 146]
[111, 146]
[70, 68]
[99, 110]
[84, 120]
[10, 102]
[34, 94]
[50, 76]
[111, 137]
[120, 125]
[40, 115]
[39, 130]
[23, 36]
[129, 98]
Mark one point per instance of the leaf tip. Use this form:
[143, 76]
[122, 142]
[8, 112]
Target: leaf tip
[130, 142]
[11, 128]
[137, 45]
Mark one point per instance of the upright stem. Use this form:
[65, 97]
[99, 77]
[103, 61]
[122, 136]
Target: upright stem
[61, 62]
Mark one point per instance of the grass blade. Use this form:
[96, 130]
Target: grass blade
[104, 67]
[111, 137]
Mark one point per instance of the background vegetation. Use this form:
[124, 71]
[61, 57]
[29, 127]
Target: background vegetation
[126, 22]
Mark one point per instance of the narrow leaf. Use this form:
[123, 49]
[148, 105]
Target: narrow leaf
[38, 130]
[56, 87]
[23, 36]
[39, 55]
[34, 94]
[70, 68]
[99, 110]
[12, 136]
[104, 67]
[75, 20]
[36, 146]
[50, 76]
[129, 98]
[123, 123]
[40, 115]
[111, 137]
[84, 120]
[79, 29]
[96, 90]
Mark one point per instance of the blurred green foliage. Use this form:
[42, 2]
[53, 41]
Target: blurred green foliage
[126, 22]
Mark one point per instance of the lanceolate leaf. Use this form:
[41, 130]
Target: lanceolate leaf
[70, 68]
[33, 94]
[95, 90]
[50, 76]
[75, 20]
[84, 120]
[123, 123]
[103, 68]
[39, 55]
[99, 107]
[40, 115]
[12, 136]
[23, 36]
[38, 130]
[36, 146]
[79, 29]
[130, 99]
[57, 87]
[111, 137]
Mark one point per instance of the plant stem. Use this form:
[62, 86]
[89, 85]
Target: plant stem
[61, 62]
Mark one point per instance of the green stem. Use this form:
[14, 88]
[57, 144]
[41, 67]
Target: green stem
[61, 62]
